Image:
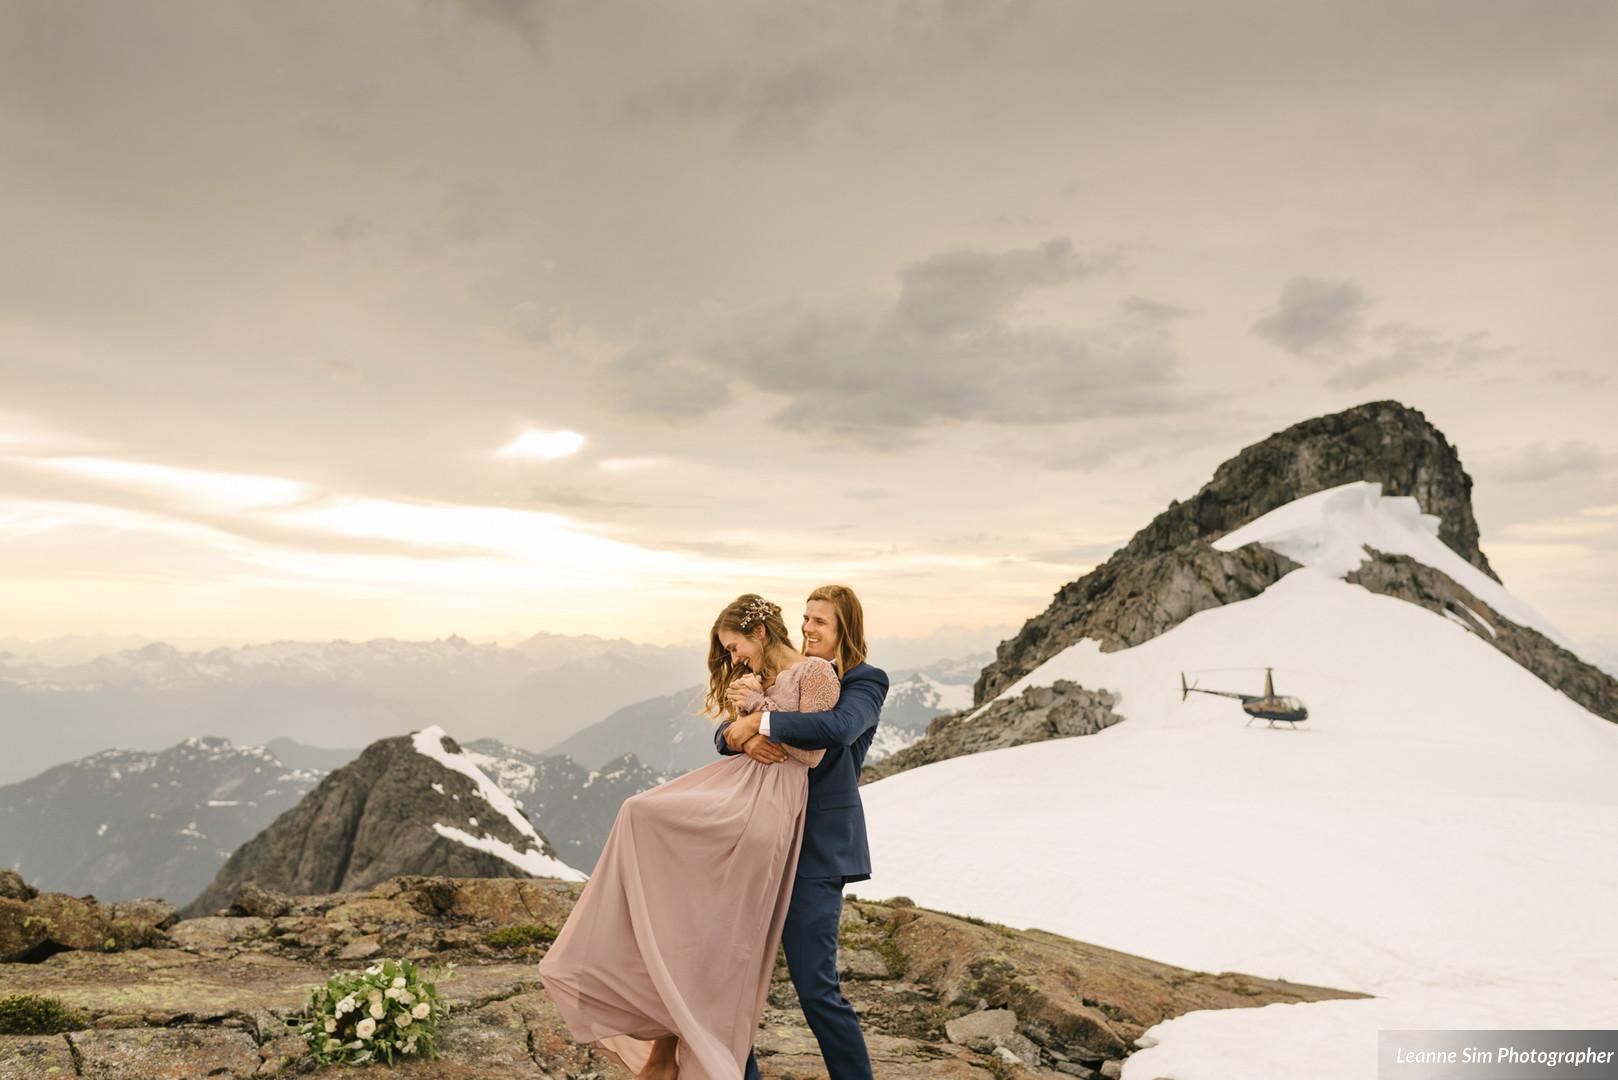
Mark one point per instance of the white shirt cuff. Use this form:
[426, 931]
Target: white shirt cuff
[764, 724]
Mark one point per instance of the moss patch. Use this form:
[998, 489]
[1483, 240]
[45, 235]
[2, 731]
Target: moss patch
[33, 1014]
[514, 937]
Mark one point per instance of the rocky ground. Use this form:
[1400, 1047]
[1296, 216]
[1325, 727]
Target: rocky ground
[939, 996]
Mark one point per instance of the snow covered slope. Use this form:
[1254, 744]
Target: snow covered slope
[1330, 529]
[1441, 832]
[532, 859]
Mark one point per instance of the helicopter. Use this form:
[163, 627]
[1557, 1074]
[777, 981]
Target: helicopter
[1267, 706]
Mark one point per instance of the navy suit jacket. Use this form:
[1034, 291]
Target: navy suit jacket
[834, 840]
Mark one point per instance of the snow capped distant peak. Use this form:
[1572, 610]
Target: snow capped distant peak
[429, 742]
[923, 689]
[1331, 529]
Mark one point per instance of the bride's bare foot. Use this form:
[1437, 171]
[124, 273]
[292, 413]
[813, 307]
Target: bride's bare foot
[661, 1066]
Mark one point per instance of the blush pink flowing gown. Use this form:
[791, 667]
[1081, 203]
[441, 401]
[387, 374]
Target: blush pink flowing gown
[676, 930]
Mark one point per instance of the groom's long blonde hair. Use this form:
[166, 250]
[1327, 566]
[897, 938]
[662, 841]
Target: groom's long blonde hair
[850, 624]
[744, 615]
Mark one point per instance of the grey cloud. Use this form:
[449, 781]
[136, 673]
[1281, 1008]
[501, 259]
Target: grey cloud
[1471, 351]
[525, 17]
[1014, 221]
[350, 229]
[712, 549]
[1078, 554]
[767, 105]
[573, 499]
[1358, 376]
[780, 72]
[1151, 312]
[1416, 344]
[1540, 462]
[535, 321]
[1079, 458]
[945, 350]
[1314, 314]
[1411, 348]
[1577, 377]
[1171, 437]
[650, 380]
[19, 481]
[967, 290]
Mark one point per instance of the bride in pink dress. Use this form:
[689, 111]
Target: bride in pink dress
[665, 961]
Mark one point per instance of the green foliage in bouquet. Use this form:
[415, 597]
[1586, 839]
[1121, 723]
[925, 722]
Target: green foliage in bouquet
[386, 1012]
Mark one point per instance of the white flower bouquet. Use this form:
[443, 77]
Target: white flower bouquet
[388, 1011]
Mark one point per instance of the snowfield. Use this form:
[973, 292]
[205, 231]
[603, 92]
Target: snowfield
[1441, 833]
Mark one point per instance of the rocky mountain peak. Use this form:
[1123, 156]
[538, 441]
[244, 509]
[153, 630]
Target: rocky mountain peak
[1382, 441]
[1170, 560]
[409, 804]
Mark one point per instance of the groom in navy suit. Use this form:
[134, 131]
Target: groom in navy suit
[834, 850]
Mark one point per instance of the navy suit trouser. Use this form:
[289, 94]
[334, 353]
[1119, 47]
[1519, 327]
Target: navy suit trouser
[810, 939]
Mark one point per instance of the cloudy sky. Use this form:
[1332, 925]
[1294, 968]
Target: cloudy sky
[360, 319]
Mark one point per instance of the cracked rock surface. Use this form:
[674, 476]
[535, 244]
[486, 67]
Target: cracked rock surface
[209, 999]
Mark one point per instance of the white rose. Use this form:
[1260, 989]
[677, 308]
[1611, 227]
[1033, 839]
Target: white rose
[402, 1020]
[399, 982]
[420, 1011]
[378, 1009]
[331, 1025]
[366, 1029]
[374, 994]
[406, 997]
[393, 992]
[346, 1005]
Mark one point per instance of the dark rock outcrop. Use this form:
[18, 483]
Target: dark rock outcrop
[39, 926]
[1403, 577]
[13, 887]
[371, 820]
[1125, 600]
[1061, 710]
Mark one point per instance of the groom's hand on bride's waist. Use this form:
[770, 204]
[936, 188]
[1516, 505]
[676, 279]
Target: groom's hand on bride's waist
[760, 748]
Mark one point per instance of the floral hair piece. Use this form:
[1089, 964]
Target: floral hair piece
[757, 610]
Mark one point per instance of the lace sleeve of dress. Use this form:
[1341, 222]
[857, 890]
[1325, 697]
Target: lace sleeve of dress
[818, 691]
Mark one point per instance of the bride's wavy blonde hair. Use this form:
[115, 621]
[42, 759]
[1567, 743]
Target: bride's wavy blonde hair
[744, 615]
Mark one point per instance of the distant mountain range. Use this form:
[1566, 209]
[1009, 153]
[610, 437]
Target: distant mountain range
[129, 823]
[64, 700]
[531, 694]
